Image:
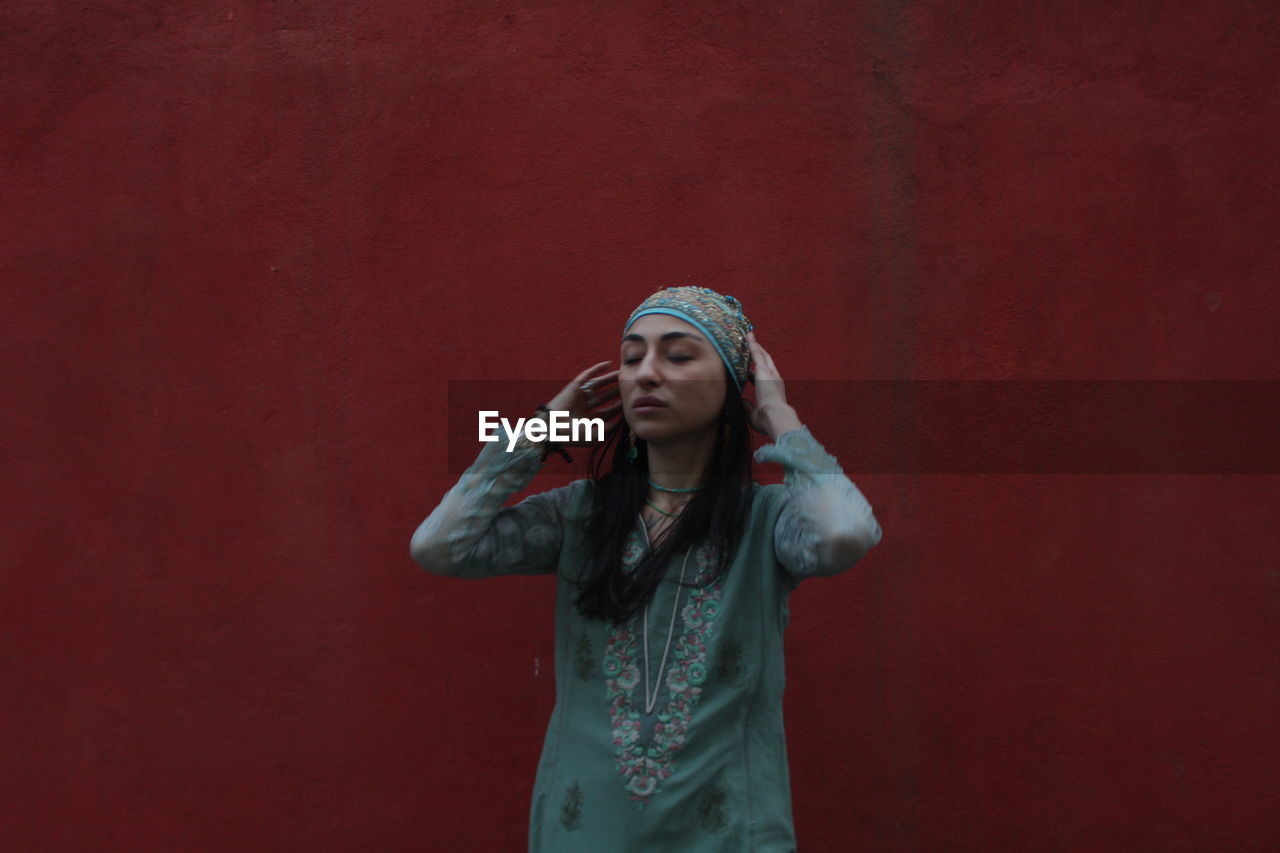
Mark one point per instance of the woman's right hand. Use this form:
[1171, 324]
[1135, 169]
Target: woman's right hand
[579, 404]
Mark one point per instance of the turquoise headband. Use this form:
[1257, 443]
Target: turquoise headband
[718, 316]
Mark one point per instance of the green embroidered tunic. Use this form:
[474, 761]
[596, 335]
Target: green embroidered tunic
[707, 769]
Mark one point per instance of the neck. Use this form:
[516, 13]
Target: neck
[679, 463]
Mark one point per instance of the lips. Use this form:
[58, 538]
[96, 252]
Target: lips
[647, 400]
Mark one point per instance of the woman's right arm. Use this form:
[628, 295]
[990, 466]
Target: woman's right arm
[472, 535]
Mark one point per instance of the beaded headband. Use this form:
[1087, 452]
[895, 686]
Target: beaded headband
[718, 316]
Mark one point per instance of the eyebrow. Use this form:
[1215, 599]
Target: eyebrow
[668, 336]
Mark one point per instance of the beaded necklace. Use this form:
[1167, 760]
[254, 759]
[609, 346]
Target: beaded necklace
[669, 489]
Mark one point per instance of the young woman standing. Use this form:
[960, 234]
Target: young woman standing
[674, 568]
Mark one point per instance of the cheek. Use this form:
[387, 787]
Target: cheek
[704, 400]
[712, 386]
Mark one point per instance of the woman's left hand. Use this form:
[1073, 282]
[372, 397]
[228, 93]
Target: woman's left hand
[769, 413]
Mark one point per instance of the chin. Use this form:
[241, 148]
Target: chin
[649, 432]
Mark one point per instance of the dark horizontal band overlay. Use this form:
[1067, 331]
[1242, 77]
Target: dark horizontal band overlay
[978, 426]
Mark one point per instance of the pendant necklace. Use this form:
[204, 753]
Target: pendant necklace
[651, 701]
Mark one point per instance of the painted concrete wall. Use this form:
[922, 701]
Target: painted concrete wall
[245, 247]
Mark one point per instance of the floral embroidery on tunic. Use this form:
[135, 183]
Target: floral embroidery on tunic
[645, 748]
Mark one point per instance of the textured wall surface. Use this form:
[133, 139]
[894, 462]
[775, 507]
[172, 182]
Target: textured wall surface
[244, 248]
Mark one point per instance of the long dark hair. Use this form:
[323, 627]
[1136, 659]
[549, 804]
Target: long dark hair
[717, 513]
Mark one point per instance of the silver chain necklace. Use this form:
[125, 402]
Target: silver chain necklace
[651, 701]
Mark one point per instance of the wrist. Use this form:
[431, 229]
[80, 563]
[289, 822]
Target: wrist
[543, 443]
[546, 445]
[782, 420]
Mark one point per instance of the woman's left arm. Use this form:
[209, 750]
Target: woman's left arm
[826, 524]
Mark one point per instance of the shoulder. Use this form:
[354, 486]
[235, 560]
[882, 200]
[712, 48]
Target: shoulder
[767, 502]
[576, 497]
[767, 495]
[562, 498]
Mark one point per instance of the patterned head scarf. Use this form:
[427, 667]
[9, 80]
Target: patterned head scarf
[718, 316]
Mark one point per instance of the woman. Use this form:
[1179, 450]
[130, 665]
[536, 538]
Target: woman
[674, 569]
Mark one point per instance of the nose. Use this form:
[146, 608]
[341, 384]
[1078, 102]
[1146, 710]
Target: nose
[648, 373]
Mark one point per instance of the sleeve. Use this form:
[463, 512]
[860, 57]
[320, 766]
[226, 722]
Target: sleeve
[826, 524]
[470, 534]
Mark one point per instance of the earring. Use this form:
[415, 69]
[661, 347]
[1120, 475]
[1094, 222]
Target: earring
[631, 451]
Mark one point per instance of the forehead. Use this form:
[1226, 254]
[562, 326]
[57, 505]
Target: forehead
[652, 327]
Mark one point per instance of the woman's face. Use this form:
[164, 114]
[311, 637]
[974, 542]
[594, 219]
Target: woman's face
[664, 357]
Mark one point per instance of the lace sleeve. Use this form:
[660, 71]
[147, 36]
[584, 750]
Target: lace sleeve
[826, 524]
[470, 534]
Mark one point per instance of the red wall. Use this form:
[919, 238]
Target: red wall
[244, 248]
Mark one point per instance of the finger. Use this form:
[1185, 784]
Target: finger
[755, 342]
[590, 371]
[760, 351]
[601, 382]
[603, 396]
[592, 394]
[763, 371]
[766, 359]
[767, 355]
